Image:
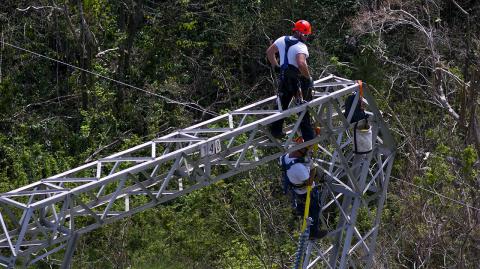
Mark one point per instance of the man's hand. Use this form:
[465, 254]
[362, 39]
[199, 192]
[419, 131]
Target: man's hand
[307, 86]
[300, 101]
[306, 83]
[310, 82]
[310, 181]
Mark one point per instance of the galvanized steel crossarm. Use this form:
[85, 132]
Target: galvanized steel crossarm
[192, 148]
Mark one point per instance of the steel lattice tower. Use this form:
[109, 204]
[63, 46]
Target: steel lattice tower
[49, 215]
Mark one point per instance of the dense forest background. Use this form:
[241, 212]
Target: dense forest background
[420, 58]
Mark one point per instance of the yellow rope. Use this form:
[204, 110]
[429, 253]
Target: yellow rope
[307, 208]
[309, 189]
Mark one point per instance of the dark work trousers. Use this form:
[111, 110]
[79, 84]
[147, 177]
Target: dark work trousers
[288, 88]
[314, 211]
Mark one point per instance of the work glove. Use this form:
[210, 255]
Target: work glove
[299, 101]
[306, 83]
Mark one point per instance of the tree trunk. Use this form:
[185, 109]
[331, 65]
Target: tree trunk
[129, 23]
[474, 127]
[466, 78]
[83, 58]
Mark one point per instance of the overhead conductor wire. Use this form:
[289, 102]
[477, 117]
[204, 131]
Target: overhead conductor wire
[108, 78]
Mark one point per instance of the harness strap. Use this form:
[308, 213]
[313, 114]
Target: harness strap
[288, 43]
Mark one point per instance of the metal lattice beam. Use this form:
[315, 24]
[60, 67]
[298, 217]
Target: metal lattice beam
[47, 216]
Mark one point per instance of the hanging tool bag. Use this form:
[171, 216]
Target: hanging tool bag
[362, 137]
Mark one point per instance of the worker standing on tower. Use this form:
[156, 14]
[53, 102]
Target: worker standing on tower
[294, 74]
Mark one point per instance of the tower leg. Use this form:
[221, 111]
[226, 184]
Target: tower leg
[308, 252]
[67, 259]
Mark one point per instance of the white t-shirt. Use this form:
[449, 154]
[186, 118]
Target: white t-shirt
[300, 47]
[298, 173]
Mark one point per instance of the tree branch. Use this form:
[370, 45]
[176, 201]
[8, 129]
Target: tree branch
[38, 8]
[460, 8]
[101, 53]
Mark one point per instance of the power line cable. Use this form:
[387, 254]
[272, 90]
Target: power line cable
[438, 194]
[110, 79]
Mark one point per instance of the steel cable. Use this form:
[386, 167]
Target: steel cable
[110, 79]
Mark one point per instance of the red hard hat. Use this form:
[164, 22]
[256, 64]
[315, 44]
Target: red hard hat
[303, 27]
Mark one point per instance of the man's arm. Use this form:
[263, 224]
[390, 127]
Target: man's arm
[310, 179]
[302, 65]
[271, 51]
[306, 81]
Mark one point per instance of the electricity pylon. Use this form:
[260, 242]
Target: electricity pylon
[49, 215]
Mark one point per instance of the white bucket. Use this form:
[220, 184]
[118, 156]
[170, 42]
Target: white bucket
[362, 140]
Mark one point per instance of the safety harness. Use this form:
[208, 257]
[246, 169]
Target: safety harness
[289, 41]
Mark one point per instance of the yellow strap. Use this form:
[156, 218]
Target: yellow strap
[307, 208]
[309, 189]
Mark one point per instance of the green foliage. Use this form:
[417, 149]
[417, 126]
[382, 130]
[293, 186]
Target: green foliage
[469, 157]
[94, 6]
[240, 256]
[26, 162]
[438, 169]
[7, 91]
[341, 68]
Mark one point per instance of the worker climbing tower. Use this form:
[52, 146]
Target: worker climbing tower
[49, 215]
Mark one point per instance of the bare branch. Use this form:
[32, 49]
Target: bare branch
[101, 53]
[387, 19]
[1, 56]
[445, 104]
[460, 8]
[455, 77]
[39, 8]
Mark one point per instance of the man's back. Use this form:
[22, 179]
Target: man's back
[299, 47]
